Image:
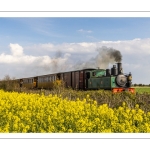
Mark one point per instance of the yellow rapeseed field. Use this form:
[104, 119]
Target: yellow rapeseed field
[26, 113]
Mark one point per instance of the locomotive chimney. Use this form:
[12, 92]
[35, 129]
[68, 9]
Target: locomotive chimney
[119, 68]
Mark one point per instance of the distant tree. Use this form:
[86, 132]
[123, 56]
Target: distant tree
[135, 84]
[7, 78]
[8, 84]
[140, 84]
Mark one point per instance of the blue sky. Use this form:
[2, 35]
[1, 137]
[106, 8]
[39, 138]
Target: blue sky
[35, 46]
[60, 30]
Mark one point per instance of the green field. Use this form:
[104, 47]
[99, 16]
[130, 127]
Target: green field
[142, 89]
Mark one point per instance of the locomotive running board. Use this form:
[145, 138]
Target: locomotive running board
[117, 90]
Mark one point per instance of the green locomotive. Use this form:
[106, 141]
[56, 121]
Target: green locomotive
[113, 79]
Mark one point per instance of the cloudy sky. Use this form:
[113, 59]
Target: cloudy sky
[37, 46]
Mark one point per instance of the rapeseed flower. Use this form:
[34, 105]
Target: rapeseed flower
[24, 113]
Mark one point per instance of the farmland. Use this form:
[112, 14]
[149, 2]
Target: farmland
[143, 89]
[66, 110]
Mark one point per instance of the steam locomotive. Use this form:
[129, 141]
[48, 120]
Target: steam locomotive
[86, 79]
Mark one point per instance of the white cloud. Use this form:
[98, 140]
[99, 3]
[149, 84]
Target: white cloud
[16, 49]
[19, 64]
[135, 46]
[84, 31]
[42, 58]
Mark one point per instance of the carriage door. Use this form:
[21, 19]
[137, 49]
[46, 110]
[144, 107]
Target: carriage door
[35, 84]
[81, 84]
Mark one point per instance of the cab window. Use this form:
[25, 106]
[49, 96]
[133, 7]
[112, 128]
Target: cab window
[93, 73]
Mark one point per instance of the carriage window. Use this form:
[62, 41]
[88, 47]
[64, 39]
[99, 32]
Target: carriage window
[62, 78]
[30, 80]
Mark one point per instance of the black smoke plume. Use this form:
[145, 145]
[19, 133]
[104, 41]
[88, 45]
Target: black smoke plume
[102, 60]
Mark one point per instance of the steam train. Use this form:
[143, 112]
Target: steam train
[86, 79]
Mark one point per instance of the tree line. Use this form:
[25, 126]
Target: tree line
[141, 84]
